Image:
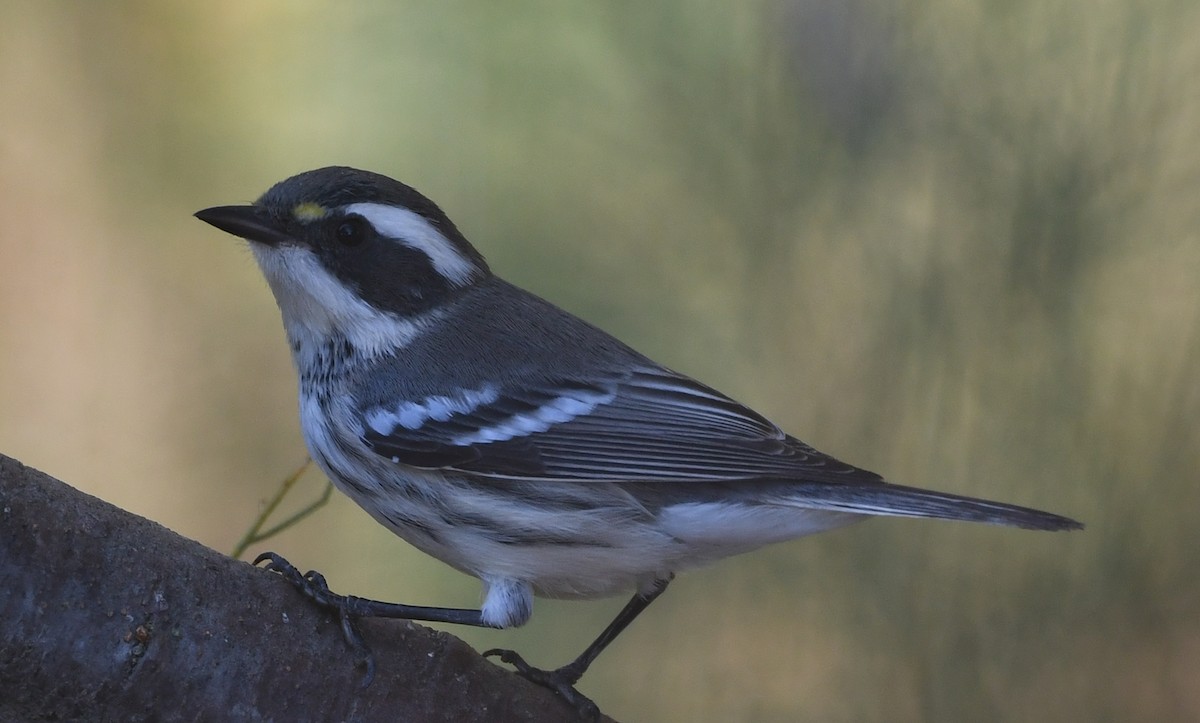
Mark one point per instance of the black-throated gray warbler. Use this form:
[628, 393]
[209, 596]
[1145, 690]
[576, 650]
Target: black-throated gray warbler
[514, 441]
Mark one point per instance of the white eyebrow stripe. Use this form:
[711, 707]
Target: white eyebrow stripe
[409, 227]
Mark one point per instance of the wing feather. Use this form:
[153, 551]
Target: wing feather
[644, 425]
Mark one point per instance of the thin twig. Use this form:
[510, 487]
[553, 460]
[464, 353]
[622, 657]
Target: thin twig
[256, 533]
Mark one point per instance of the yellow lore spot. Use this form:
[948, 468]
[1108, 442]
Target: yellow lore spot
[309, 211]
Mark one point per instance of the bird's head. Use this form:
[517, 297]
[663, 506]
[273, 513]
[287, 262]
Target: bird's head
[353, 253]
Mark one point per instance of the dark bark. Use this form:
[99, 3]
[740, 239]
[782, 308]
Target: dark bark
[108, 616]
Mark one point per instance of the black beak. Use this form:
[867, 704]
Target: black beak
[252, 223]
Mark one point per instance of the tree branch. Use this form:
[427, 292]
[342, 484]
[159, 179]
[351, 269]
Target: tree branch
[108, 616]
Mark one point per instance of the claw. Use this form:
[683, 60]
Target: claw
[275, 563]
[313, 585]
[561, 681]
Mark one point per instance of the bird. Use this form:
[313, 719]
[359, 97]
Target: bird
[515, 441]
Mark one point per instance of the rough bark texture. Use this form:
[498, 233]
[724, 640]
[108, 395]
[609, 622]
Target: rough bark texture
[108, 616]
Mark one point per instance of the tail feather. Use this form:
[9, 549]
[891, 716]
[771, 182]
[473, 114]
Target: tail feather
[899, 501]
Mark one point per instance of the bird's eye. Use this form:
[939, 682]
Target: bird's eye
[351, 231]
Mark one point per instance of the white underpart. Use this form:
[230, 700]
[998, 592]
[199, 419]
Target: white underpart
[316, 305]
[732, 527]
[413, 415]
[414, 230]
[557, 411]
[507, 603]
[627, 550]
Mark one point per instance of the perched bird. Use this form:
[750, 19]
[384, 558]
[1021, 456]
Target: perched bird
[514, 441]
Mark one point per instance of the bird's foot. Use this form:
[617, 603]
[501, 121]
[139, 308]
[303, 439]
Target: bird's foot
[314, 587]
[561, 681]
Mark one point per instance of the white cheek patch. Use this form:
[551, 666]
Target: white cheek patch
[316, 305]
[303, 288]
[413, 415]
[410, 228]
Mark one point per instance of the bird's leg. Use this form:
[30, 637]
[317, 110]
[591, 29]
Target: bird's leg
[349, 608]
[562, 680]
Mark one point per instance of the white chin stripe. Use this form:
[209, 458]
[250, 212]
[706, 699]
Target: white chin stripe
[315, 304]
[412, 229]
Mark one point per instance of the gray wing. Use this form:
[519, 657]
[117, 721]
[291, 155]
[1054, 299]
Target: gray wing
[648, 424]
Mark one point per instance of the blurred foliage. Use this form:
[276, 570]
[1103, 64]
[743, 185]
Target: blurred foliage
[953, 242]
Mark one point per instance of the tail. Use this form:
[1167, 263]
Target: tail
[899, 501]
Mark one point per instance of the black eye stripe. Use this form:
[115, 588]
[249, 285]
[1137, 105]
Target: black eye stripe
[352, 231]
[387, 273]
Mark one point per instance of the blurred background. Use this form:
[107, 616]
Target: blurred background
[956, 243]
